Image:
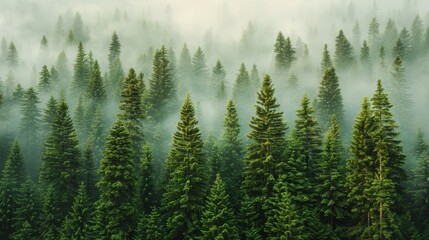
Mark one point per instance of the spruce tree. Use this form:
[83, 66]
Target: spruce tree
[218, 80]
[115, 208]
[264, 161]
[97, 134]
[390, 34]
[44, 42]
[416, 35]
[399, 50]
[146, 181]
[401, 99]
[115, 67]
[61, 164]
[374, 33]
[254, 77]
[284, 220]
[199, 71]
[218, 221]
[114, 49]
[184, 65]
[12, 55]
[331, 177]
[96, 90]
[13, 176]
[131, 113]
[284, 52]
[185, 189]
[150, 226]
[51, 216]
[329, 100]
[365, 58]
[49, 114]
[77, 225]
[81, 69]
[45, 80]
[326, 59]
[89, 175]
[18, 94]
[30, 122]
[344, 56]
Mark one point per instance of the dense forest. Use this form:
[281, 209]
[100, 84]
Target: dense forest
[157, 121]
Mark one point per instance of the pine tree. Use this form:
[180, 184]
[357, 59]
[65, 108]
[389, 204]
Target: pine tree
[400, 50]
[146, 181]
[132, 111]
[79, 120]
[62, 66]
[242, 91]
[150, 226]
[254, 77]
[30, 122]
[184, 66]
[77, 225]
[401, 99]
[61, 163]
[416, 35]
[162, 89]
[218, 221]
[51, 216]
[79, 28]
[27, 215]
[331, 177]
[232, 154]
[284, 221]
[264, 161]
[344, 56]
[13, 176]
[71, 39]
[115, 210]
[390, 34]
[406, 41]
[96, 90]
[284, 52]
[97, 134]
[329, 100]
[55, 77]
[326, 59]
[45, 82]
[12, 55]
[365, 58]
[89, 175]
[44, 42]
[18, 94]
[185, 189]
[218, 80]
[374, 33]
[114, 50]
[81, 70]
[116, 72]
[199, 70]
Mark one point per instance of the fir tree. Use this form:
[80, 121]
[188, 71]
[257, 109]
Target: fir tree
[30, 122]
[55, 77]
[13, 176]
[416, 35]
[18, 94]
[146, 181]
[81, 70]
[284, 52]
[329, 100]
[51, 216]
[45, 82]
[114, 50]
[218, 80]
[79, 28]
[344, 57]
[184, 65]
[254, 77]
[96, 90]
[12, 55]
[326, 59]
[77, 225]
[401, 99]
[114, 209]
[44, 42]
[183, 199]
[71, 39]
[62, 67]
[150, 226]
[374, 33]
[61, 163]
[284, 221]
[97, 137]
[264, 161]
[400, 50]
[218, 221]
[199, 70]
[364, 55]
[390, 34]
[89, 177]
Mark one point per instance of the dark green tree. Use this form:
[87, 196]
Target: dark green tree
[51, 216]
[30, 121]
[186, 186]
[326, 59]
[218, 220]
[329, 100]
[264, 161]
[89, 174]
[13, 176]
[81, 69]
[344, 56]
[218, 80]
[96, 90]
[150, 226]
[45, 82]
[97, 134]
[399, 50]
[284, 52]
[114, 49]
[18, 94]
[115, 208]
[146, 182]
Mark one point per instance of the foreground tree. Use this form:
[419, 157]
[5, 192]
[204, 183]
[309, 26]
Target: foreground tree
[183, 199]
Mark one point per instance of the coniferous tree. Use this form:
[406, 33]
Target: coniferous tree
[146, 182]
[344, 56]
[161, 89]
[183, 199]
[400, 50]
[97, 135]
[199, 70]
[184, 65]
[49, 114]
[115, 67]
[326, 59]
[329, 100]
[61, 164]
[77, 225]
[18, 94]
[218, 80]
[30, 122]
[150, 226]
[405, 37]
[27, 215]
[416, 35]
[401, 99]
[13, 176]
[79, 29]
[115, 210]
[374, 34]
[254, 77]
[79, 120]
[96, 91]
[55, 77]
[89, 177]
[45, 82]
[284, 221]
[44, 42]
[81, 70]
[284, 52]
[114, 49]
[390, 34]
[265, 153]
[218, 220]
[12, 55]
[365, 58]
[132, 111]
[331, 177]
[51, 216]
[62, 67]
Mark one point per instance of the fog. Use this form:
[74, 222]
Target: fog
[220, 28]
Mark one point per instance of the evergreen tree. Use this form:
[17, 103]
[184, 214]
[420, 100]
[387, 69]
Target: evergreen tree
[81, 70]
[364, 55]
[132, 111]
[401, 99]
[162, 89]
[18, 94]
[374, 34]
[416, 35]
[71, 39]
[79, 120]
[79, 29]
[184, 66]
[218, 80]
[254, 77]
[150, 226]
[115, 67]
[265, 153]
[45, 82]
[406, 41]
[77, 225]
[114, 49]
[390, 34]
[30, 122]
[115, 209]
[27, 215]
[51, 216]
[97, 133]
[344, 57]
[284, 52]
[146, 181]
[331, 178]
[400, 50]
[232, 154]
[62, 66]
[13, 176]
[12, 55]
[89, 177]
[49, 114]
[96, 91]
[183, 199]
[199, 70]
[55, 77]
[284, 221]
[61, 163]
[44, 42]
[329, 100]
[326, 59]
[218, 221]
